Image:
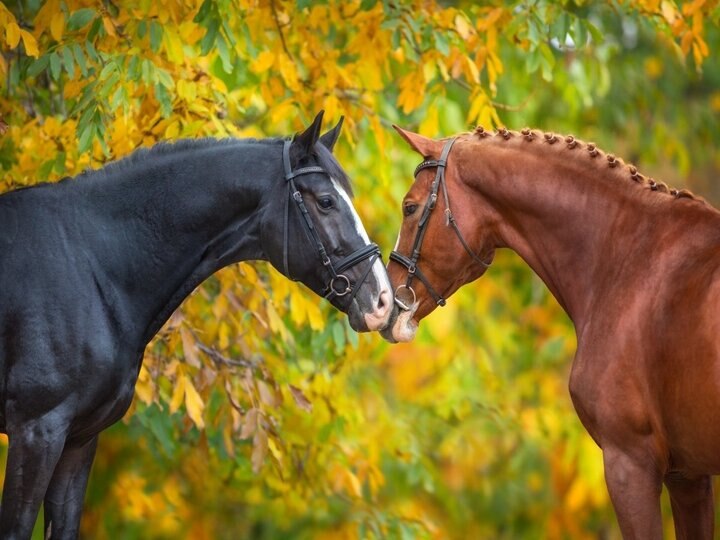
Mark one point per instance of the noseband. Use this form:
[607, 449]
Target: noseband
[411, 262]
[339, 284]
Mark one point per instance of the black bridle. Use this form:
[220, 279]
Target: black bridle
[411, 263]
[339, 284]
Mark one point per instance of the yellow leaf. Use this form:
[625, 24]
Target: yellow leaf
[462, 26]
[297, 307]
[178, 392]
[300, 400]
[260, 447]
[189, 347]
[249, 424]
[315, 317]
[57, 25]
[223, 335]
[72, 88]
[686, 42]
[669, 11]
[145, 387]
[274, 450]
[187, 90]
[276, 323]
[471, 72]
[173, 46]
[31, 47]
[12, 35]
[109, 26]
[267, 394]
[194, 404]
[173, 129]
[263, 62]
[430, 125]
[352, 484]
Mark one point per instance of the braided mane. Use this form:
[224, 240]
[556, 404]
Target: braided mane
[593, 152]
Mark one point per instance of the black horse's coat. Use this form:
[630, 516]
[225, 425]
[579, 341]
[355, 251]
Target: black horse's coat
[92, 267]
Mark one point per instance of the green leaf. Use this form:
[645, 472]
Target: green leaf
[109, 85]
[208, 40]
[55, 66]
[68, 61]
[224, 54]
[163, 98]
[229, 34]
[107, 70]
[118, 98]
[147, 71]
[597, 36]
[38, 65]
[80, 18]
[164, 78]
[156, 34]
[366, 5]
[338, 334]
[45, 169]
[95, 29]
[92, 53]
[133, 69]
[60, 163]
[204, 11]
[532, 61]
[80, 59]
[86, 137]
[442, 44]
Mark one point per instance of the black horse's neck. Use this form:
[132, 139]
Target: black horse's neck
[168, 218]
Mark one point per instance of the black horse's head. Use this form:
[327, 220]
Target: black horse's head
[312, 233]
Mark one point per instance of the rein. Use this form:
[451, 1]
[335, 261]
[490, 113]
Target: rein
[411, 263]
[339, 284]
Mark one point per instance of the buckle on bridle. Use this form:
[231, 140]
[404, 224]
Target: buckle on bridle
[405, 304]
[345, 286]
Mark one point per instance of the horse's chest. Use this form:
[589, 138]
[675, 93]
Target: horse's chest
[108, 397]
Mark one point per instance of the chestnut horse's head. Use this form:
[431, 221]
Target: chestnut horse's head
[446, 238]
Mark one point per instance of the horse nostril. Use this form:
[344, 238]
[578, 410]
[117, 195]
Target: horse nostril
[383, 300]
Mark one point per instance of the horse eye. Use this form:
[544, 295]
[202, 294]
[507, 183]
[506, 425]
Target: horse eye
[409, 209]
[325, 203]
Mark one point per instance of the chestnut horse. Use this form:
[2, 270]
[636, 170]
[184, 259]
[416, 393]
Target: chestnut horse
[635, 265]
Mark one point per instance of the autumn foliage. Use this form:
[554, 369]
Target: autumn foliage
[259, 413]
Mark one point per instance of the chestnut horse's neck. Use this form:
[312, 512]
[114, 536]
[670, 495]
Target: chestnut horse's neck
[582, 219]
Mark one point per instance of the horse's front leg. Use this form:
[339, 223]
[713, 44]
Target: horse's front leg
[692, 506]
[33, 451]
[635, 484]
[65, 494]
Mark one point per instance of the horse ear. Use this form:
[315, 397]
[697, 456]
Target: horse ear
[307, 139]
[329, 139]
[422, 145]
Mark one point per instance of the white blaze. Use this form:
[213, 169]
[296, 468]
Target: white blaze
[377, 269]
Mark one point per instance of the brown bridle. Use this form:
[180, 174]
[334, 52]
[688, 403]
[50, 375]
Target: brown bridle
[411, 263]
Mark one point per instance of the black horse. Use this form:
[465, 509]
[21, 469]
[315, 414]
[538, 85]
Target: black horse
[91, 268]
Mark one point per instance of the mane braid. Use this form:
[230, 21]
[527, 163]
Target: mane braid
[591, 150]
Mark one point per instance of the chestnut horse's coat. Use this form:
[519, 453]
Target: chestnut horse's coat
[637, 268]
